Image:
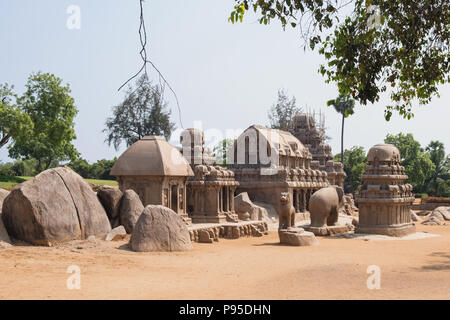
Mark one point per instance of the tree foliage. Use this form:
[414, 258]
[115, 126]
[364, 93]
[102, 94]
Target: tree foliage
[400, 46]
[142, 112]
[14, 123]
[428, 170]
[98, 170]
[417, 163]
[221, 150]
[19, 168]
[52, 111]
[355, 161]
[281, 114]
[438, 184]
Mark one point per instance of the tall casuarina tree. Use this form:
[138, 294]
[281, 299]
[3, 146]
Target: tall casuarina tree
[344, 105]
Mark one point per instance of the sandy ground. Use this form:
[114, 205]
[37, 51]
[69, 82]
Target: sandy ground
[247, 268]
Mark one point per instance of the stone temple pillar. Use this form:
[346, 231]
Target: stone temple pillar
[384, 199]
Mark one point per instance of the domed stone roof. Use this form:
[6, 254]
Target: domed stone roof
[151, 156]
[383, 152]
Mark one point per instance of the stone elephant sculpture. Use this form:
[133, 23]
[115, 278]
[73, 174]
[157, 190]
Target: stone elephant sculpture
[324, 206]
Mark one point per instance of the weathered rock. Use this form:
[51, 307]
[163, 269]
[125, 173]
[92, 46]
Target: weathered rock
[4, 244]
[116, 234]
[443, 211]
[349, 207]
[57, 205]
[350, 226]
[423, 212]
[247, 210]
[270, 209]
[435, 218]
[231, 217]
[256, 232]
[160, 229]
[432, 221]
[415, 217]
[3, 234]
[297, 237]
[3, 194]
[110, 198]
[130, 209]
[205, 237]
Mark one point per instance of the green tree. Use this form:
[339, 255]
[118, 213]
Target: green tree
[142, 112]
[356, 160]
[439, 182]
[98, 170]
[82, 167]
[101, 169]
[24, 167]
[14, 123]
[417, 163]
[344, 105]
[221, 151]
[281, 114]
[52, 110]
[400, 45]
[18, 168]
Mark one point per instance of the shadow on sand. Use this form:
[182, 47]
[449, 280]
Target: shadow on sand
[270, 244]
[443, 265]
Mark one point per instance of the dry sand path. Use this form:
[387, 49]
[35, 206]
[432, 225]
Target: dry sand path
[248, 268]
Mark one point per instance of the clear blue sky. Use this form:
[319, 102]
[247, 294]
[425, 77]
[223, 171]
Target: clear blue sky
[225, 75]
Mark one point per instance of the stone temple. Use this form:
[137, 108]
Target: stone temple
[273, 167]
[211, 189]
[384, 199]
[187, 183]
[157, 172]
[304, 127]
[268, 162]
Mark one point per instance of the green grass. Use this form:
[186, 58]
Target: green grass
[7, 182]
[112, 183]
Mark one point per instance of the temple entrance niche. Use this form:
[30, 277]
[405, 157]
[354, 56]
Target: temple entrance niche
[174, 198]
[308, 196]
[225, 199]
[302, 201]
[295, 198]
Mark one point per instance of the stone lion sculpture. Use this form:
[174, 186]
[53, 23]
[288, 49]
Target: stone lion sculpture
[287, 212]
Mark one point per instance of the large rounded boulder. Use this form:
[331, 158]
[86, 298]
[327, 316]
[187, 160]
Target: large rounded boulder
[4, 237]
[57, 205]
[160, 229]
[131, 208]
[110, 198]
[3, 194]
